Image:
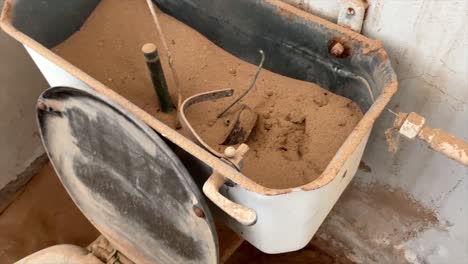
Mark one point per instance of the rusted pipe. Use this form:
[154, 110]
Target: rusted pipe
[453, 147]
[441, 141]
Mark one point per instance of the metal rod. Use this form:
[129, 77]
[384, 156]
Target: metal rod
[249, 88]
[162, 37]
[157, 76]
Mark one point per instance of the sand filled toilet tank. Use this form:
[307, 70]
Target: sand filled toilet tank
[317, 98]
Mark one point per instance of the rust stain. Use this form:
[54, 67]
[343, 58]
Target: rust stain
[438, 140]
[392, 135]
[341, 44]
[364, 167]
[395, 215]
[104, 251]
[406, 206]
[441, 141]
[286, 14]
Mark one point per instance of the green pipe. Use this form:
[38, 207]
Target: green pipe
[153, 62]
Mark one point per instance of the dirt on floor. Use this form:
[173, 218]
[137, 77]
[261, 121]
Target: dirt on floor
[43, 215]
[310, 254]
[300, 125]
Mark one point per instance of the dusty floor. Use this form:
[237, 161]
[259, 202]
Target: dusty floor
[43, 215]
[308, 255]
[300, 126]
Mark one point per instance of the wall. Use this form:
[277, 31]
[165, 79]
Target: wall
[20, 86]
[412, 205]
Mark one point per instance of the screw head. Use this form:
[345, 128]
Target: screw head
[198, 212]
[230, 152]
[41, 106]
[350, 11]
[337, 49]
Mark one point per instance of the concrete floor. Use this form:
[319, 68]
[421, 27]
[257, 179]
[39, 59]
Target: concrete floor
[44, 215]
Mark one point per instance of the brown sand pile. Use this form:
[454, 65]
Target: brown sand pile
[42, 216]
[300, 126]
[309, 254]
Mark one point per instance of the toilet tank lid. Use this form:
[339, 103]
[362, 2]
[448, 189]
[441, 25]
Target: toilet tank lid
[125, 179]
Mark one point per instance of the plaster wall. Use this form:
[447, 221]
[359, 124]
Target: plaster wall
[411, 205]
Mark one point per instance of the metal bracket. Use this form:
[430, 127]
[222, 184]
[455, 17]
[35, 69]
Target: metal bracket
[351, 14]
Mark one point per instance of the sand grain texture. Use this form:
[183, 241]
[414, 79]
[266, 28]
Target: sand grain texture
[300, 125]
[43, 215]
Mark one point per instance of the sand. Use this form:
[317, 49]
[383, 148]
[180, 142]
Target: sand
[43, 215]
[300, 125]
[309, 254]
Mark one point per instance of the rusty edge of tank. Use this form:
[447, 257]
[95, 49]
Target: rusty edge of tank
[349, 146]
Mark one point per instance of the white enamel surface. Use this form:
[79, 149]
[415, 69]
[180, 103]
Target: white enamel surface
[288, 222]
[55, 75]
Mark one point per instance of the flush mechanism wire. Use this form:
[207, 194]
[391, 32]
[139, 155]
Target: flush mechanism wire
[260, 66]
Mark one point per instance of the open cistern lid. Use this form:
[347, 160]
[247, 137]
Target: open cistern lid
[125, 179]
